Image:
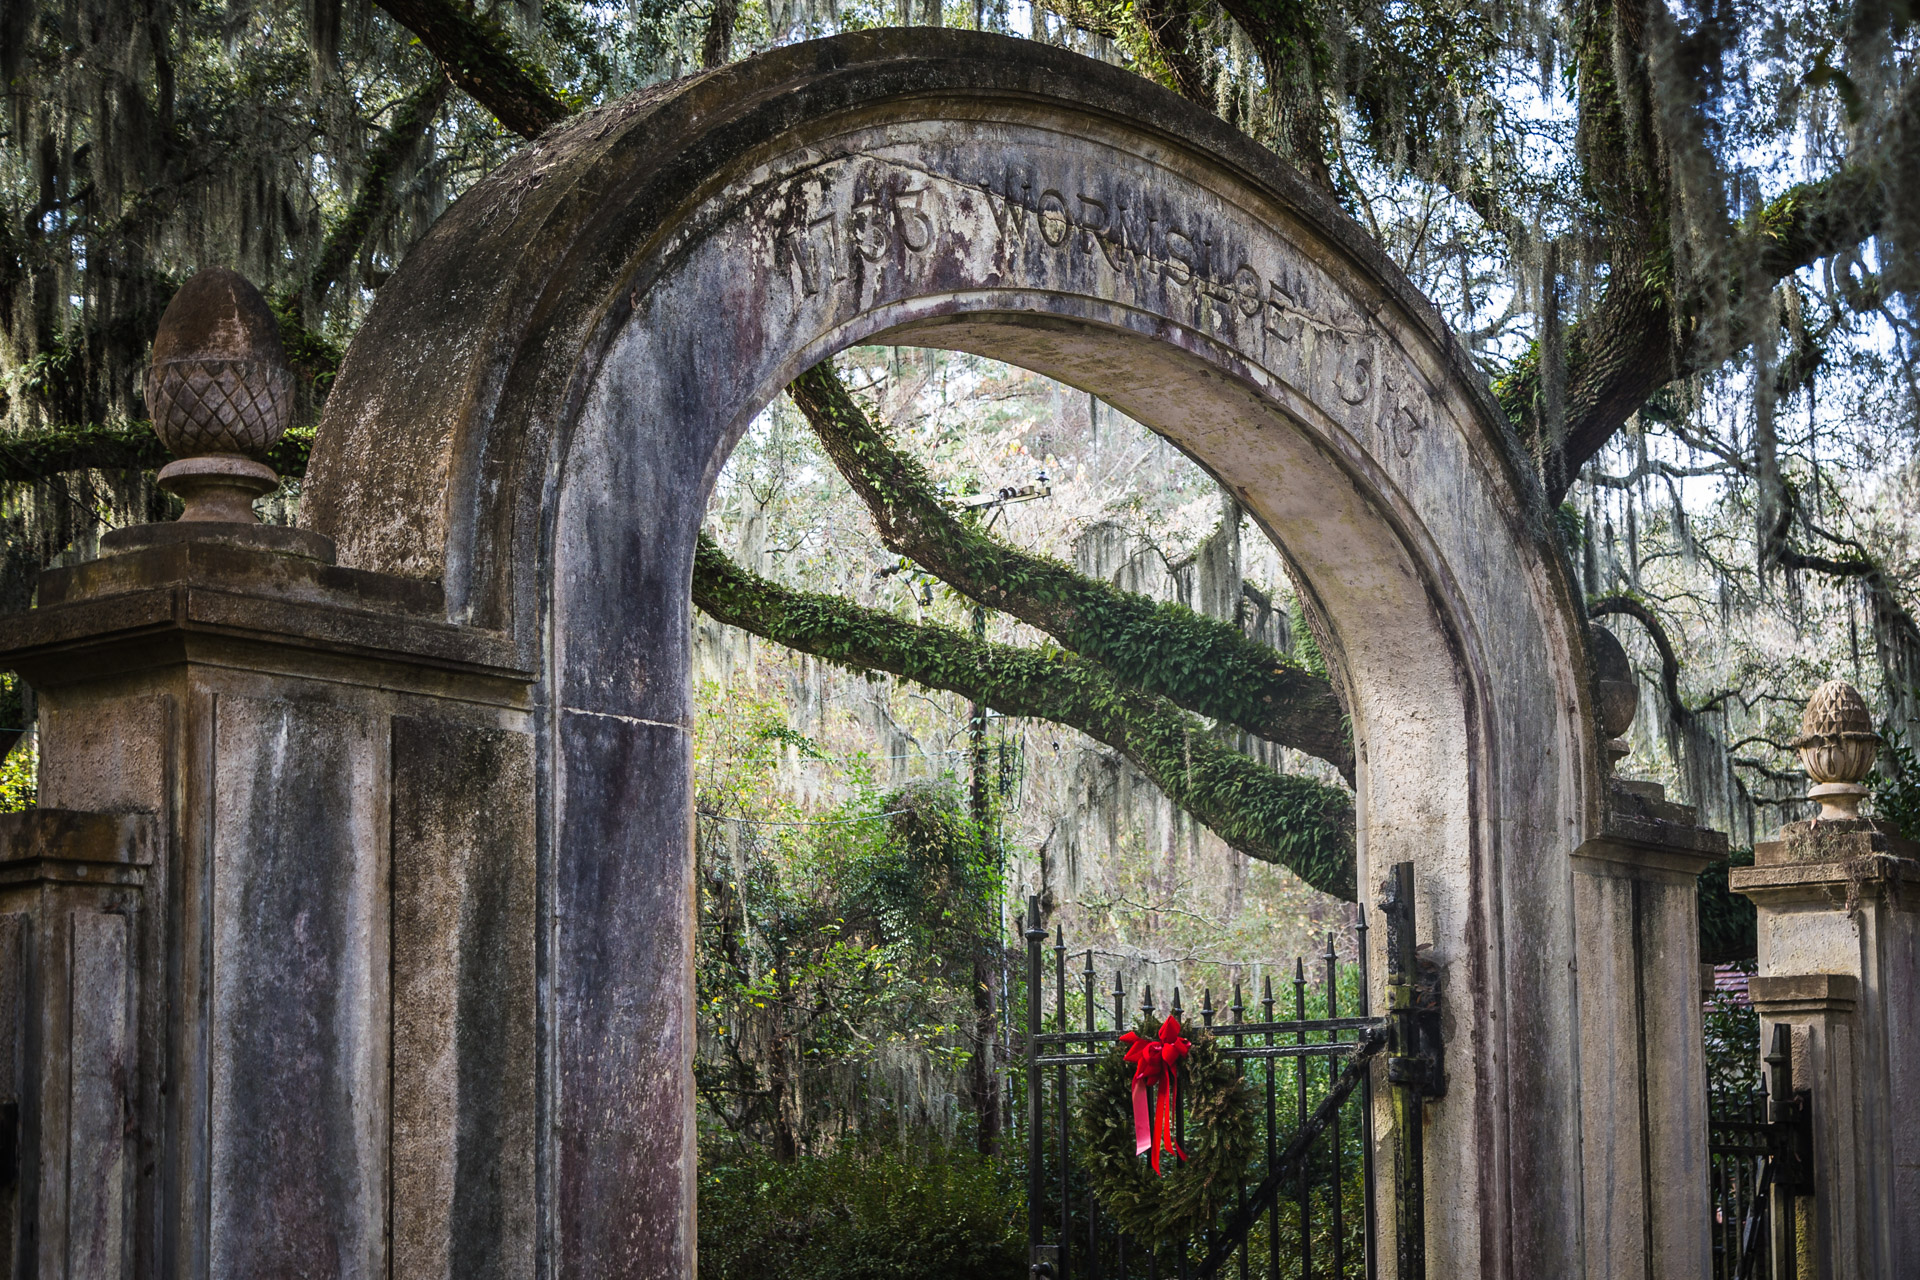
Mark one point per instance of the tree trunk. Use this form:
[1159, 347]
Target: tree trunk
[483, 58]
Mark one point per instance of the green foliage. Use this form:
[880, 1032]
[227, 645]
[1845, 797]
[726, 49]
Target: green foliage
[788, 736]
[933, 884]
[1896, 789]
[834, 946]
[35, 456]
[1729, 925]
[861, 1213]
[19, 779]
[1305, 647]
[1733, 1046]
[313, 356]
[1571, 527]
[1300, 823]
[20, 771]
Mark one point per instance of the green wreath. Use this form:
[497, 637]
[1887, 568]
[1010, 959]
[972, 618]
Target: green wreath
[1219, 1143]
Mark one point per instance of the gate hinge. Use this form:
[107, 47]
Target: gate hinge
[1793, 1149]
[1416, 1006]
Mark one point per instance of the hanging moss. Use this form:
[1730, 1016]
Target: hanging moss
[1301, 824]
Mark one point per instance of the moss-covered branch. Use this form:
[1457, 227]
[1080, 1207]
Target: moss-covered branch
[482, 57]
[1300, 824]
[1641, 335]
[40, 455]
[1203, 664]
[1166, 30]
[402, 138]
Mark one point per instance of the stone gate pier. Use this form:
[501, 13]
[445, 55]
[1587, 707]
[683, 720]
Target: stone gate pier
[284, 856]
[354, 935]
[1838, 899]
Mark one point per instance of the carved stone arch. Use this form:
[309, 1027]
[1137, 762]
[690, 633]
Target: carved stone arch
[535, 411]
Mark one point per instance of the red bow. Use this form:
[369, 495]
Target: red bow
[1156, 1065]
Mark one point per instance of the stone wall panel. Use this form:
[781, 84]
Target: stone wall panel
[464, 1002]
[298, 991]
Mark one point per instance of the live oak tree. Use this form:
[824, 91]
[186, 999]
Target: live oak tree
[1613, 200]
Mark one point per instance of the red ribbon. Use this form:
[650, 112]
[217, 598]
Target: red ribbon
[1156, 1065]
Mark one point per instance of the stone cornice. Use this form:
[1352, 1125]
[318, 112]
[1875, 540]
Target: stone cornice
[184, 601]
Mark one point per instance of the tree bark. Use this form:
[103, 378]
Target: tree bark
[1169, 28]
[1203, 664]
[717, 47]
[482, 58]
[1303, 825]
[1292, 53]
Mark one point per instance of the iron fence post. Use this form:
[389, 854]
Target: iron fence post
[1406, 1074]
[1789, 1134]
[1035, 934]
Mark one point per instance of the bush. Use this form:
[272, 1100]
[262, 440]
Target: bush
[861, 1214]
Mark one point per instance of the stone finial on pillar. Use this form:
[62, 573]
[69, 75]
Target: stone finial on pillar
[1619, 691]
[1837, 745]
[221, 396]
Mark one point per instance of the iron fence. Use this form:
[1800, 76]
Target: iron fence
[1758, 1146]
[1305, 1207]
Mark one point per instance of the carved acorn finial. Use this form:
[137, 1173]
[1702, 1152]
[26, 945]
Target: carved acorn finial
[1837, 745]
[220, 394]
[1619, 691]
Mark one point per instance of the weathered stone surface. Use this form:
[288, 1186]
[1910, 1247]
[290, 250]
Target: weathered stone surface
[71, 835]
[100, 1055]
[15, 1076]
[464, 1033]
[534, 412]
[216, 726]
[268, 537]
[218, 382]
[73, 898]
[299, 1047]
[623, 1022]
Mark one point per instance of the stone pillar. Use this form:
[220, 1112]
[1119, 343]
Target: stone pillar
[267, 995]
[1839, 906]
[1839, 925]
[1642, 1056]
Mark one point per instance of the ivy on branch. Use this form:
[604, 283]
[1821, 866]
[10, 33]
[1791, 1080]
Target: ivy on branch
[1298, 823]
[1204, 664]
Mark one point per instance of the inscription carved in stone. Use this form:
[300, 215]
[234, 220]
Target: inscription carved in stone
[867, 227]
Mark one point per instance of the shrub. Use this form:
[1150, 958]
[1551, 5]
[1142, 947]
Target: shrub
[870, 1213]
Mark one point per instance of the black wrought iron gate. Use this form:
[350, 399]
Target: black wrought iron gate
[1760, 1154]
[1306, 1206]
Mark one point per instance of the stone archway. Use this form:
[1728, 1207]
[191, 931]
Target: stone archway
[536, 409]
